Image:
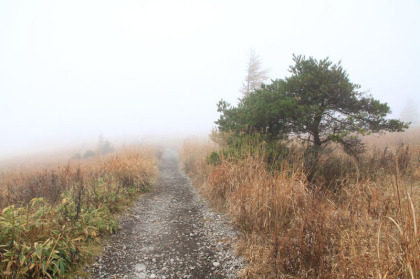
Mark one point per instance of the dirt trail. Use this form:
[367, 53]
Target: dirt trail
[170, 233]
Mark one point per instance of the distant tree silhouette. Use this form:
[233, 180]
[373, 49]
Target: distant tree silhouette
[104, 146]
[255, 75]
[88, 154]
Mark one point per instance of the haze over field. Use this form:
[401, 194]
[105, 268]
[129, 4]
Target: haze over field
[71, 70]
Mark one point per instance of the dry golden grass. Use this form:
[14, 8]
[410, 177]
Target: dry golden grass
[52, 219]
[132, 165]
[368, 227]
[129, 169]
[194, 154]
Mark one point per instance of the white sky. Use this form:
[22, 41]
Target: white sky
[70, 70]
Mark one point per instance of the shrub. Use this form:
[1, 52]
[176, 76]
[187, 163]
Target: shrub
[355, 218]
[55, 218]
[88, 154]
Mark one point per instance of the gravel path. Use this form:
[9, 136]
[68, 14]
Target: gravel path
[171, 232]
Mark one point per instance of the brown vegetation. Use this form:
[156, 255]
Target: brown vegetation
[52, 219]
[357, 217]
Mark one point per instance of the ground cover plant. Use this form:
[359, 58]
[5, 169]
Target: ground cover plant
[356, 218]
[53, 219]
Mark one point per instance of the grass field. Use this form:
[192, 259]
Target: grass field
[356, 217]
[54, 217]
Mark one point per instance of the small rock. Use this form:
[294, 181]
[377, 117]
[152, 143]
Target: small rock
[140, 267]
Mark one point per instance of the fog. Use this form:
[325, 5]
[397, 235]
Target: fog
[72, 70]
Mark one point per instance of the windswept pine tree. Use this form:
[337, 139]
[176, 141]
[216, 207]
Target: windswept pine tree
[317, 103]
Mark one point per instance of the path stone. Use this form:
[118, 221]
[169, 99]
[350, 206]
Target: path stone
[171, 232]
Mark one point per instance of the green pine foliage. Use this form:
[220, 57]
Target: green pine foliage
[317, 103]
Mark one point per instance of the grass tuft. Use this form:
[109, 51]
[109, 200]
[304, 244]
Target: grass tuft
[52, 221]
[336, 216]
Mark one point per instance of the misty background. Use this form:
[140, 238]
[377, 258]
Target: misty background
[72, 70]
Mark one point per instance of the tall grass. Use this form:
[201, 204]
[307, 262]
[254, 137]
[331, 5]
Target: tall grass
[357, 217]
[52, 220]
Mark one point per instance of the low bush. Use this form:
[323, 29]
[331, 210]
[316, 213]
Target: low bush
[54, 219]
[354, 218]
